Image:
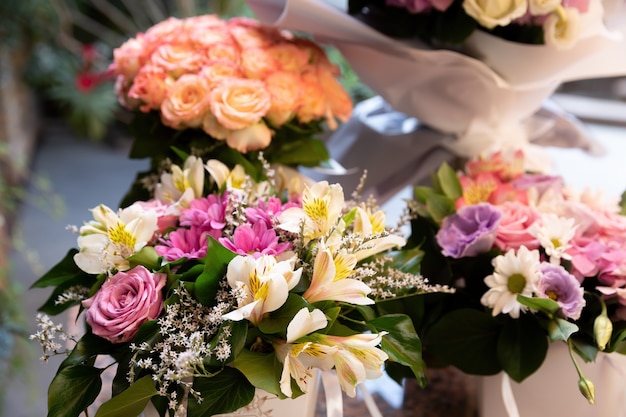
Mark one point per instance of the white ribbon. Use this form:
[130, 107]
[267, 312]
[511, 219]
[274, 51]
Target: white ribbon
[507, 396]
[334, 399]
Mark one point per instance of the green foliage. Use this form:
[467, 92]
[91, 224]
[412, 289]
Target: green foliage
[131, 402]
[225, 392]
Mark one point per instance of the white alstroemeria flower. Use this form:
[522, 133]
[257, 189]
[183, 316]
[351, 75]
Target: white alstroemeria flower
[304, 323]
[263, 285]
[299, 360]
[367, 223]
[182, 185]
[321, 211]
[378, 245]
[330, 280]
[357, 359]
[514, 273]
[234, 180]
[554, 234]
[106, 242]
[562, 28]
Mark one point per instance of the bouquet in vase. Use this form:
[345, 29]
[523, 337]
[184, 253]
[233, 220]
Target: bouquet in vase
[534, 263]
[460, 67]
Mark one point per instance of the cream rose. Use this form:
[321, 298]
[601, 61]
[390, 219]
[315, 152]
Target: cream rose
[186, 102]
[492, 13]
[239, 103]
[252, 138]
[561, 30]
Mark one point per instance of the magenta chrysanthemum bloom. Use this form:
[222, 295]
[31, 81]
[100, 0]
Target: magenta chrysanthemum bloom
[183, 243]
[470, 231]
[255, 240]
[561, 286]
[207, 214]
[268, 210]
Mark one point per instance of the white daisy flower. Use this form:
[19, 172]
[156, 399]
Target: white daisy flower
[554, 234]
[514, 273]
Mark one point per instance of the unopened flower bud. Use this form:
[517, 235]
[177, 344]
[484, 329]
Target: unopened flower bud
[602, 330]
[587, 388]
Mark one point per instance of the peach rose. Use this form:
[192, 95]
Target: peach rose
[257, 63]
[313, 102]
[177, 59]
[288, 56]
[186, 102]
[213, 128]
[239, 103]
[224, 52]
[338, 100]
[248, 33]
[286, 90]
[129, 57]
[515, 225]
[215, 71]
[168, 30]
[150, 87]
[251, 138]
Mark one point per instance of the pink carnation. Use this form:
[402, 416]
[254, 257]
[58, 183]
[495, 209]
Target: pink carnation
[515, 226]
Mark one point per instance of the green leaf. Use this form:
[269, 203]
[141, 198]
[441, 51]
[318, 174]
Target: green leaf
[236, 340]
[131, 402]
[63, 272]
[349, 217]
[223, 393]
[408, 260]
[263, 370]
[216, 262]
[402, 343]
[522, 347]
[421, 193]
[467, 339]
[147, 257]
[72, 390]
[559, 329]
[545, 305]
[88, 347]
[277, 321]
[449, 182]
[439, 207]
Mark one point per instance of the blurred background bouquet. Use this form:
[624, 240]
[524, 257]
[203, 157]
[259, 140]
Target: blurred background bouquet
[535, 264]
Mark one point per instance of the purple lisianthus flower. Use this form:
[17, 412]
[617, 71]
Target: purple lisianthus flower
[183, 243]
[255, 240]
[541, 182]
[470, 231]
[419, 6]
[561, 286]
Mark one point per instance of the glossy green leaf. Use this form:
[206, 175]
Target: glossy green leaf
[72, 390]
[131, 402]
[223, 393]
[449, 182]
[408, 260]
[402, 343]
[216, 262]
[88, 347]
[277, 321]
[263, 370]
[522, 347]
[147, 257]
[467, 339]
[439, 207]
[545, 305]
[559, 329]
[64, 271]
[236, 340]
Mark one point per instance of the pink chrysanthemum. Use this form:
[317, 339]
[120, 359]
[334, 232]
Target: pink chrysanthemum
[183, 243]
[207, 214]
[255, 240]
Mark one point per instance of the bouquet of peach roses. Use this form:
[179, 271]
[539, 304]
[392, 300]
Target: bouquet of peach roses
[226, 90]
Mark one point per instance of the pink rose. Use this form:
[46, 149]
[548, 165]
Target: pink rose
[186, 102]
[124, 302]
[239, 103]
[515, 225]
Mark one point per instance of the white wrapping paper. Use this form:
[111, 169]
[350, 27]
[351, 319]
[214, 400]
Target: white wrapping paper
[481, 100]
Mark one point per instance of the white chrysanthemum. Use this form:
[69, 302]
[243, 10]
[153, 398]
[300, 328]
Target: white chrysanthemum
[554, 234]
[514, 273]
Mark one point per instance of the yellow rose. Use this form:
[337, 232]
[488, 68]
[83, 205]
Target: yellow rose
[186, 102]
[239, 103]
[492, 13]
